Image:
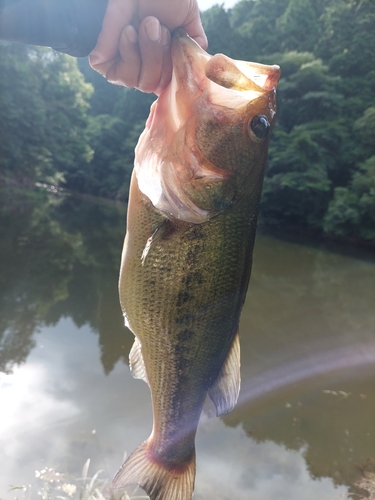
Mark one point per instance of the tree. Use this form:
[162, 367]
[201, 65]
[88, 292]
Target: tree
[22, 119]
[351, 212]
[43, 116]
[113, 138]
[347, 44]
[297, 185]
[347, 37]
[219, 33]
[306, 148]
[254, 24]
[298, 25]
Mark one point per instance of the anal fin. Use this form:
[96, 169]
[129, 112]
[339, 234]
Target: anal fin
[226, 388]
[136, 363]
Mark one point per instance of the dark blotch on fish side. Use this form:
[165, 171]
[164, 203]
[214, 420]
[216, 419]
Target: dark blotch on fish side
[183, 297]
[185, 335]
[185, 319]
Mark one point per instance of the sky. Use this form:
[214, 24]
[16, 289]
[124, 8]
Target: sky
[206, 4]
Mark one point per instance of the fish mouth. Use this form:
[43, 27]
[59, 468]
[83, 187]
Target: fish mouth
[208, 98]
[197, 69]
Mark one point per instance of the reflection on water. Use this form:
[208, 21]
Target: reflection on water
[59, 258]
[232, 466]
[305, 423]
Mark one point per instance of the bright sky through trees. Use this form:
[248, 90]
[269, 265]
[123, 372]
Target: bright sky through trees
[206, 4]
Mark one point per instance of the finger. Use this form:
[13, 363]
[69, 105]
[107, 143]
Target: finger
[126, 69]
[166, 70]
[118, 14]
[151, 50]
[194, 28]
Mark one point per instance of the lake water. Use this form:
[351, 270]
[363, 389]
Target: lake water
[304, 427]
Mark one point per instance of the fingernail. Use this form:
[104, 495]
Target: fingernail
[153, 30]
[131, 33]
[165, 36]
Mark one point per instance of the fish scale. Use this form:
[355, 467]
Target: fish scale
[187, 254]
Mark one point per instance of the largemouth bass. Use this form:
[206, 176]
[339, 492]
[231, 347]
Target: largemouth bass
[187, 254]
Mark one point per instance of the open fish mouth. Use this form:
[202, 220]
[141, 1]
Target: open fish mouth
[173, 162]
[197, 70]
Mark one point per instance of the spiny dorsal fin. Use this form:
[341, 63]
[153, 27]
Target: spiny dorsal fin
[158, 482]
[226, 388]
[137, 365]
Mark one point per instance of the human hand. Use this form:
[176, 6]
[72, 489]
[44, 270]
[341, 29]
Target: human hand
[133, 48]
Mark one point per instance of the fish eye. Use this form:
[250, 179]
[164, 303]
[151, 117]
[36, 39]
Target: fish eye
[259, 127]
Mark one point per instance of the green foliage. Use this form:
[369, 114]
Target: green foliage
[218, 30]
[322, 148]
[301, 166]
[22, 118]
[254, 24]
[365, 130]
[297, 183]
[347, 38]
[113, 138]
[298, 25]
[117, 118]
[106, 95]
[43, 116]
[348, 45]
[307, 92]
[325, 133]
[351, 212]
[352, 209]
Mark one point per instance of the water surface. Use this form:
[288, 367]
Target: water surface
[305, 423]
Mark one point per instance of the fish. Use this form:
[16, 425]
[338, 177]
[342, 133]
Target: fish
[187, 255]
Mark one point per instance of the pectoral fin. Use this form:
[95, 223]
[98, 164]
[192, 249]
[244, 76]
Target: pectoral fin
[159, 233]
[225, 390]
[137, 365]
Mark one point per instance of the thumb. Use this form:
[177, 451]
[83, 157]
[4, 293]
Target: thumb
[194, 28]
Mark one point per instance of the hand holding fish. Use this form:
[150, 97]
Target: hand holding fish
[133, 48]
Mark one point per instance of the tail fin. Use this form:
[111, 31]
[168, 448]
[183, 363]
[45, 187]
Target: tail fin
[158, 482]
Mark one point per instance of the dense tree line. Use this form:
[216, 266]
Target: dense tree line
[62, 123]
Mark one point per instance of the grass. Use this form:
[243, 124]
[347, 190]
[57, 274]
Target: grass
[52, 485]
